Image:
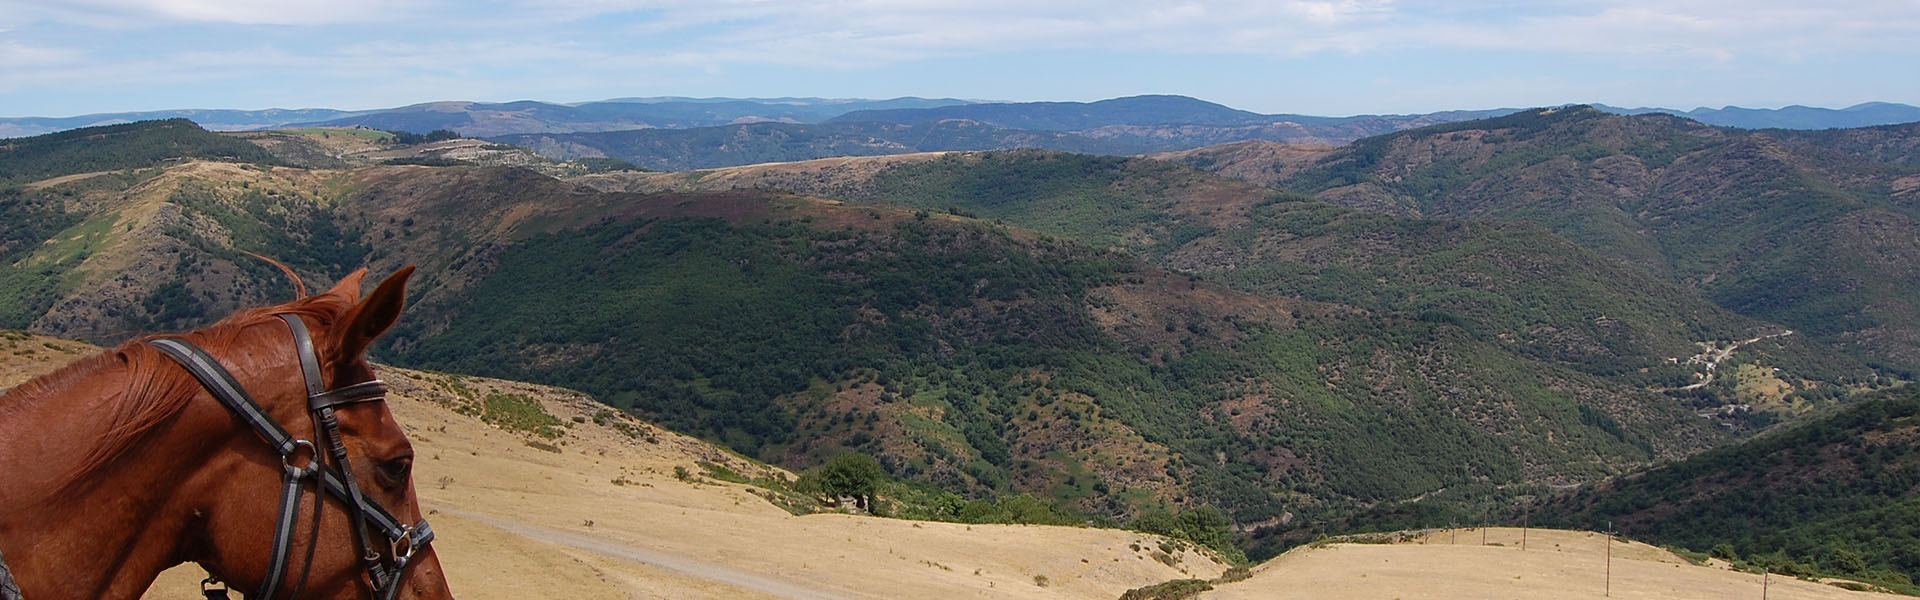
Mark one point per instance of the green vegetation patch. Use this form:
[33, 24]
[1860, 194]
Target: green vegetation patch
[520, 413]
[28, 282]
[1178, 589]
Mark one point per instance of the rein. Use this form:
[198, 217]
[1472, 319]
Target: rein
[302, 460]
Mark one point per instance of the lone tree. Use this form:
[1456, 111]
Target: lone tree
[852, 474]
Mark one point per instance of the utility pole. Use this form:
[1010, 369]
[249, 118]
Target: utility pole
[1766, 577]
[1608, 535]
[1525, 511]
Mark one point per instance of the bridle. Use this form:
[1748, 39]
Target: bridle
[302, 461]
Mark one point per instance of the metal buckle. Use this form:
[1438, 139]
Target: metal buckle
[403, 547]
[313, 457]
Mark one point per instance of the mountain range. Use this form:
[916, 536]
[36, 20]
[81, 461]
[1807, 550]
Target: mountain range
[1132, 125]
[1865, 114]
[1452, 315]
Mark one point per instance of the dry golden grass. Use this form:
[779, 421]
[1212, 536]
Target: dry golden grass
[1453, 565]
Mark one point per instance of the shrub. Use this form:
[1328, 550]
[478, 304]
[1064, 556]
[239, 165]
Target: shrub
[1178, 589]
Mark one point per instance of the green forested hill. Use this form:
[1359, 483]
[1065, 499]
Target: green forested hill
[1892, 144]
[111, 147]
[1515, 285]
[1806, 229]
[1834, 494]
[992, 359]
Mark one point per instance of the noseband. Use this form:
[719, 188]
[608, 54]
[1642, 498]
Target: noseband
[302, 461]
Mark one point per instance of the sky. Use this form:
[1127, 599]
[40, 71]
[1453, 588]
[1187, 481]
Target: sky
[1320, 57]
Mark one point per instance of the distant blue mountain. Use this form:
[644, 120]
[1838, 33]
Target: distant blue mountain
[1791, 117]
[1072, 116]
[213, 119]
[1150, 123]
[502, 118]
[1163, 123]
[490, 119]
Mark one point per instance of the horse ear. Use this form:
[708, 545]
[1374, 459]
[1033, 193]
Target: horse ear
[349, 287]
[372, 316]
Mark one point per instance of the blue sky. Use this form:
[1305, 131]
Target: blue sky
[1335, 57]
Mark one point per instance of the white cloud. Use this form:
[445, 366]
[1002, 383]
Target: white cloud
[856, 32]
[15, 55]
[125, 14]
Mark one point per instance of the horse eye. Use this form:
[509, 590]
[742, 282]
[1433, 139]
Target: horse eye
[394, 472]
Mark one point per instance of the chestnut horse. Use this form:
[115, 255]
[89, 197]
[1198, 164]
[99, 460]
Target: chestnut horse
[123, 464]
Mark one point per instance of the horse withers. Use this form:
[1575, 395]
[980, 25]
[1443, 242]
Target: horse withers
[146, 456]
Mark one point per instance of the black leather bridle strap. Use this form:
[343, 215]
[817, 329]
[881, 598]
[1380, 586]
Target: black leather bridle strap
[327, 427]
[229, 392]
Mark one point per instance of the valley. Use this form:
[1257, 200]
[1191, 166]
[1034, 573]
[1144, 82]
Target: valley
[1449, 323]
[598, 513]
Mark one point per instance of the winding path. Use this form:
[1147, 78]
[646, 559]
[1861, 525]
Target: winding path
[1715, 357]
[684, 565]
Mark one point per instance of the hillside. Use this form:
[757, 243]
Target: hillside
[1892, 144]
[1082, 358]
[1522, 287]
[1259, 162]
[1773, 225]
[595, 511]
[982, 359]
[731, 145]
[114, 147]
[1834, 493]
[344, 147]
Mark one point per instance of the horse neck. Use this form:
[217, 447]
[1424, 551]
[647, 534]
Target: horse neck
[110, 531]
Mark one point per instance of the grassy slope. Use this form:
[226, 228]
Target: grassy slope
[1555, 565]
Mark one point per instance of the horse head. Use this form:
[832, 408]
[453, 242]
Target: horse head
[178, 475]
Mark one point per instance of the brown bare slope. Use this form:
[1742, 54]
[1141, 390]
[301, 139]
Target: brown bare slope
[1262, 162]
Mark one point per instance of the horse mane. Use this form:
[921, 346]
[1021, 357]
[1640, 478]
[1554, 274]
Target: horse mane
[155, 388]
